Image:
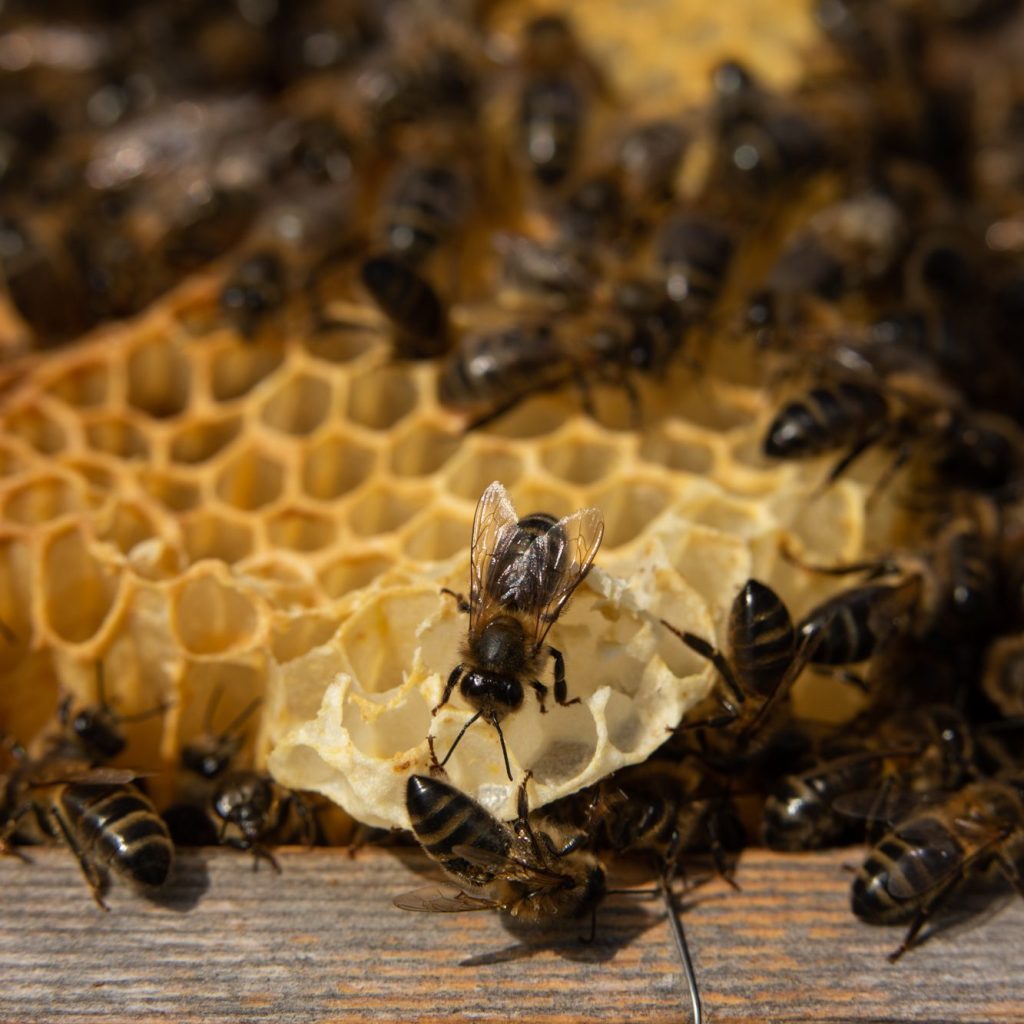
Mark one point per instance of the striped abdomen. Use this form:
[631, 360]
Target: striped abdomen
[965, 564]
[118, 826]
[409, 301]
[442, 818]
[761, 638]
[425, 210]
[825, 419]
[845, 625]
[695, 254]
[903, 869]
[551, 122]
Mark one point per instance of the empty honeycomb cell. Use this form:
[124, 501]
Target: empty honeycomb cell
[352, 572]
[37, 428]
[709, 408]
[202, 439]
[85, 386]
[301, 530]
[422, 449]
[29, 691]
[10, 462]
[551, 762]
[237, 368]
[334, 466]
[380, 398]
[210, 535]
[78, 591]
[437, 535]
[42, 499]
[250, 480]
[536, 417]
[15, 580]
[381, 509]
[688, 455]
[340, 345]
[159, 378]
[298, 406]
[528, 496]
[299, 635]
[629, 505]
[477, 465]
[211, 617]
[116, 435]
[579, 462]
[127, 525]
[392, 731]
[174, 492]
[283, 578]
[730, 515]
[95, 474]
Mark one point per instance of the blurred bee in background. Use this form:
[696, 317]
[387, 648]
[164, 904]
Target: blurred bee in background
[522, 574]
[918, 867]
[104, 820]
[694, 254]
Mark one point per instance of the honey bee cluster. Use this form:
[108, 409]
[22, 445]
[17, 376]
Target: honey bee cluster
[721, 345]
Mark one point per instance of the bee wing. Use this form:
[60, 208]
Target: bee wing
[52, 775]
[507, 867]
[876, 805]
[922, 869]
[443, 899]
[564, 556]
[494, 526]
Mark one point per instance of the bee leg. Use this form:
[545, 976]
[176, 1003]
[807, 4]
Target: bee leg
[522, 823]
[588, 939]
[561, 692]
[460, 598]
[259, 851]
[92, 874]
[921, 918]
[700, 646]
[718, 855]
[872, 437]
[448, 688]
[542, 691]
[307, 820]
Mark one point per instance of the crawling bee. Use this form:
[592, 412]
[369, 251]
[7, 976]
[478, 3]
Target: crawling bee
[411, 305]
[926, 858]
[522, 573]
[695, 253]
[103, 819]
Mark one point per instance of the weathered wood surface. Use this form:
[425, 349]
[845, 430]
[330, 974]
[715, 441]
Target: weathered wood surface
[322, 942]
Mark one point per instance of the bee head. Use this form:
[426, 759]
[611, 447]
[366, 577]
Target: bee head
[210, 756]
[98, 729]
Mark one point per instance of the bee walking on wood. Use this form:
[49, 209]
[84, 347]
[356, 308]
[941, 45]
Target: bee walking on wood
[522, 573]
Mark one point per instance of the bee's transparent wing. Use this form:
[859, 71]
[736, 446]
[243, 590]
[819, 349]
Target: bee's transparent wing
[60, 773]
[443, 899]
[564, 555]
[494, 525]
[508, 867]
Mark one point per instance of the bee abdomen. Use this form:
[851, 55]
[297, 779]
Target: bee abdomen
[761, 636]
[823, 420]
[122, 828]
[551, 117]
[408, 301]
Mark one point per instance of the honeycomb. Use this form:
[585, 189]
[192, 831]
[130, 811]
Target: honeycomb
[274, 518]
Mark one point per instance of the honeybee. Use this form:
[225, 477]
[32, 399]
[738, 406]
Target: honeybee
[695, 253]
[103, 819]
[767, 654]
[410, 303]
[918, 866]
[522, 573]
[528, 872]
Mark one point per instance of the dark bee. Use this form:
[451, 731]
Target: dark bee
[552, 276]
[530, 873]
[411, 305]
[928, 748]
[554, 100]
[766, 656]
[919, 865]
[105, 821]
[695, 253]
[251, 810]
[210, 755]
[522, 573]
[649, 157]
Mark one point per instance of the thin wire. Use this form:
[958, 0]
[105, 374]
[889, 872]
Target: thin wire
[676, 924]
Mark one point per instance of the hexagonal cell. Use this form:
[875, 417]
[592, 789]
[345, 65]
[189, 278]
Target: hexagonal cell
[530, 496]
[379, 399]
[422, 449]
[172, 491]
[116, 435]
[338, 345]
[196, 442]
[236, 684]
[42, 499]
[298, 636]
[159, 378]
[354, 571]
[630, 505]
[383, 509]
[84, 386]
[334, 466]
[300, 530]
[237, 369]
[472, 469]
[298, 406]
[683, 453]
[250, 480]
[10, 462]
[78, 591]
[212, 617]
[96, 475]
[16, 579]
[703, 407]
[579, 462]
[210, 535]
[36, 428]
[128, 525]
[438, 535]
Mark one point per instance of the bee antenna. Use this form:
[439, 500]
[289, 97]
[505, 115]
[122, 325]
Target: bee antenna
[210, 708]
[676, 924]
[101, 685]
[8, 634]
[462, 733]
[245, 713]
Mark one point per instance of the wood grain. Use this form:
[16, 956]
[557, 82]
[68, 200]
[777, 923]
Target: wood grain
[322, 942]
